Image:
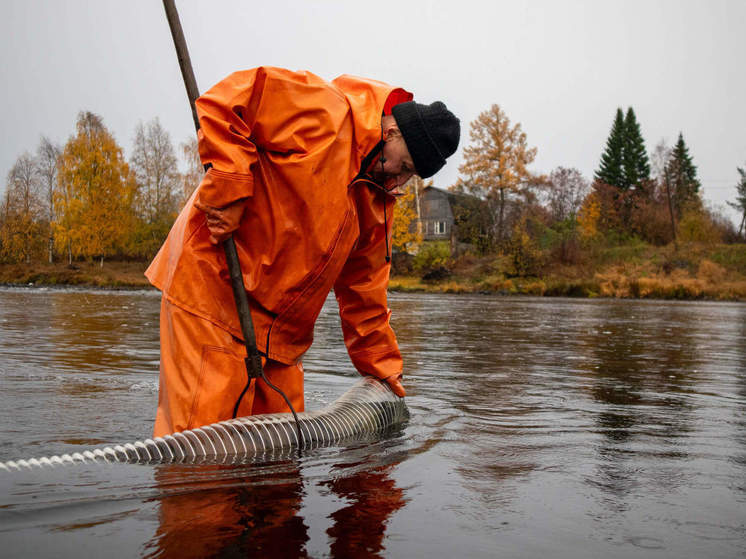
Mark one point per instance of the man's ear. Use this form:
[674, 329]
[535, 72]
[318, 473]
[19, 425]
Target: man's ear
[391, 131]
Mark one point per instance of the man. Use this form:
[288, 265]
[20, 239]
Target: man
[303, 174]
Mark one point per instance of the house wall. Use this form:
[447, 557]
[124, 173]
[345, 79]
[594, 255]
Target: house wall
[436, 215]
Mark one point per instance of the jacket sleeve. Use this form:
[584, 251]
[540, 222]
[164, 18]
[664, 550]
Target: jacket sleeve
[227, 114]
[361, 291]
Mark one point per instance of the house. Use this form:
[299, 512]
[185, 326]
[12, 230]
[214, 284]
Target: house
[436, 214]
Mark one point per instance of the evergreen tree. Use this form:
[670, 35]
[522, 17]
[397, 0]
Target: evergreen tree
[682, 176]
[635, 156]
[740, 203]
[611, 170]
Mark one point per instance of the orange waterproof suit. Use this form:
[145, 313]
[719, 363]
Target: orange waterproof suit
[292, 145]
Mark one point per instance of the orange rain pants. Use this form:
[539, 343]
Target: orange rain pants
[201, 380]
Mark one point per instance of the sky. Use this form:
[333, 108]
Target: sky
[560, 68]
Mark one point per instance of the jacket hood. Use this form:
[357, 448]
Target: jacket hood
[362, 94]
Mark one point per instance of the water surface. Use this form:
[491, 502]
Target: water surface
[540, 427]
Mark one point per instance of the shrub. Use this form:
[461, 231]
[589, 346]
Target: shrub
[432, 255]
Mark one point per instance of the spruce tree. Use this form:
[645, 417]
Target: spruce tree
[611, 170]
[635, 156]
[682, 174]
[740, 203]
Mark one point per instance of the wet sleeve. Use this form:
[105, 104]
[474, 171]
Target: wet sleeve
[361, 291]
[227, 115]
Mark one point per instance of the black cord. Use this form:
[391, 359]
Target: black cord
[383, 180]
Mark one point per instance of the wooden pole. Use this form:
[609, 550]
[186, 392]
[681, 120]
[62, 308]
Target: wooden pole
[253, 360]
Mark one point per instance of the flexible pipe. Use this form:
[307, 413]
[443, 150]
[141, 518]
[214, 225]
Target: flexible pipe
[368, 408]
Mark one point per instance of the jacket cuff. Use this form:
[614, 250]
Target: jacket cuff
[219, 188]
[380, 364]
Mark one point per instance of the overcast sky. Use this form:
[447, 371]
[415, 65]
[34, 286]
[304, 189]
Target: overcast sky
[560, 68]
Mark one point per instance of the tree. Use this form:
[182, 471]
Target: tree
[740, 203]
[611, 170]
[472, 220]
[22, 211]
[634, 156]
[194, 170]
[158, 183]
[589, 216]
[624, 163]
[495, 165]
[47, 156]
[567, 190]
[93, 201]
[405, 235]
[154, 164]
[660, 160]
[682, 176]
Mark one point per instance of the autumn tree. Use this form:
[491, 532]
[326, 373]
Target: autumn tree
[495, 164]
[740, 203]
[157, 176]
[93, 201]
[156, 172]
[472, 220]
[22, 210]
[567, 188]
[589, 216]
[406, 236]
[47, 156]
[191, 178]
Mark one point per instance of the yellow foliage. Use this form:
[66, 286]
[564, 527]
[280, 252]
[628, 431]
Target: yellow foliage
[405, 236]
[93, 200]
[696, 226]
[496, 161]
[588, 217]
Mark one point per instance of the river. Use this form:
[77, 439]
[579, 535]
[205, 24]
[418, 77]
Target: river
[539, 428]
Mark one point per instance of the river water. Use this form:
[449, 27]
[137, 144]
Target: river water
[539, 428]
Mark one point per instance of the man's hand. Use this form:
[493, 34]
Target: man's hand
[394, 382]
[222, 222]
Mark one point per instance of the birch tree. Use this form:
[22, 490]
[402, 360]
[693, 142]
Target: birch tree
[93, 201]
[47, 156]
[155, 167]
[191, 178]
[23, 209]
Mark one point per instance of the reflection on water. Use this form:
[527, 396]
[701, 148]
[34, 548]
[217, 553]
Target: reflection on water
[539, 427]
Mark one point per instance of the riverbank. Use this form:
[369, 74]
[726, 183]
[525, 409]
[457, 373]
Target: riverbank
[113, 275]
[640, 271]
[716, 272]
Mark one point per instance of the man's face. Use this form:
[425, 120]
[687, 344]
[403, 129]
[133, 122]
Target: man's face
[398, 167]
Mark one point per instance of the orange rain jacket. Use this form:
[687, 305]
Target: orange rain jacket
[291, 143]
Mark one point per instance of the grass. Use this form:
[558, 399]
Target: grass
[637, 270]
[114, 274]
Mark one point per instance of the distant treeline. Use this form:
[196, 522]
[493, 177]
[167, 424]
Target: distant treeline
[84, 201]
[500, 207]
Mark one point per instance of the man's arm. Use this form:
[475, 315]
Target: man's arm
[246, 113]
[361, 293]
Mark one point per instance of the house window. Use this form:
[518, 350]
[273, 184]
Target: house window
[439, 227]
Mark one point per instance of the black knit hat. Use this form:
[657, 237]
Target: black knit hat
[431, 133]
